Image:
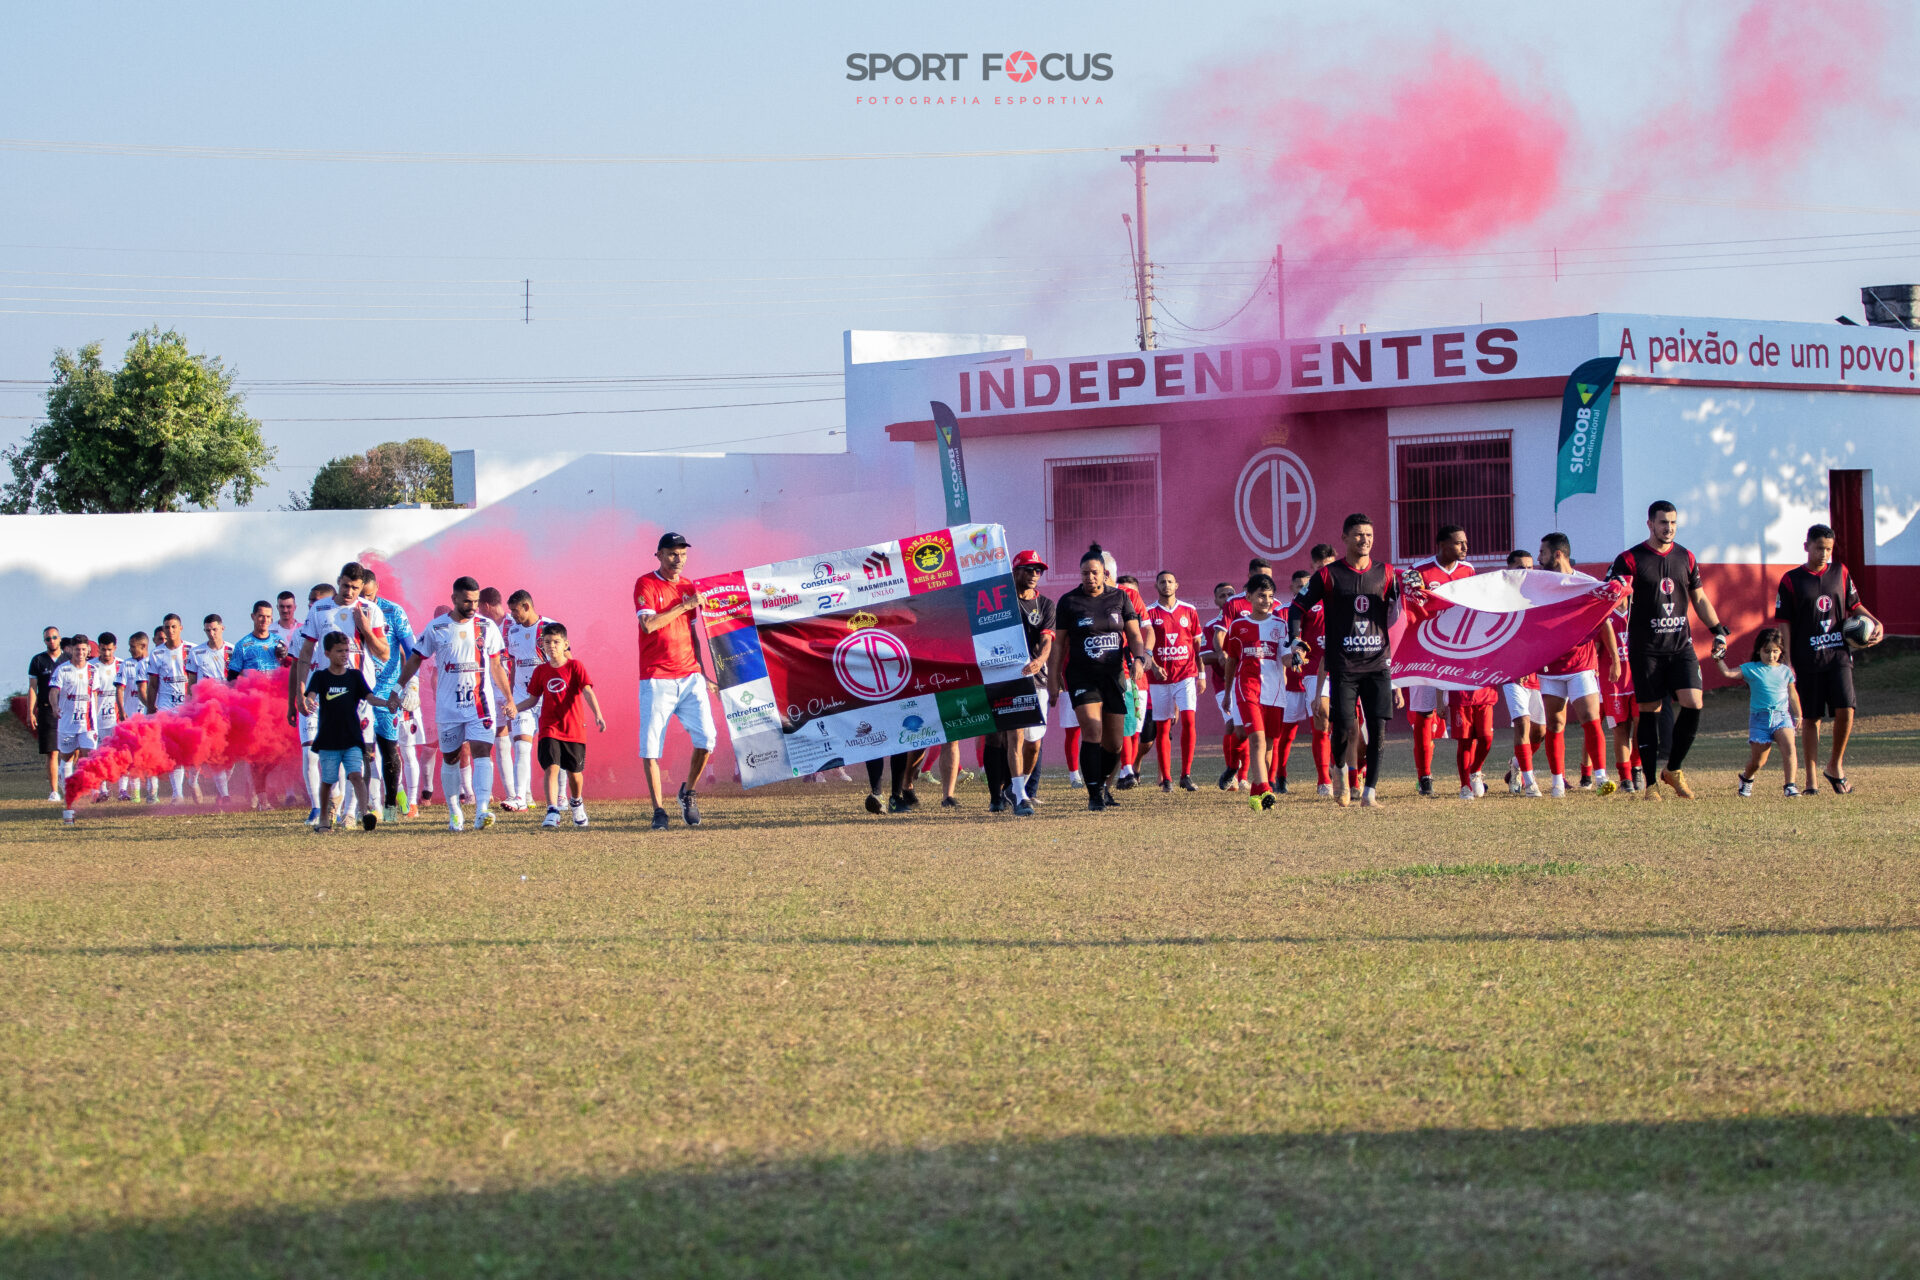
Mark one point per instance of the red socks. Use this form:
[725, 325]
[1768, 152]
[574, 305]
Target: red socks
[1557, 753]
[1162, 730]
[1282, 750]
[1187, 744]
[1523, 751]
[1422, 723]
[1323, 757]
[1596, 745]
[1073, 747]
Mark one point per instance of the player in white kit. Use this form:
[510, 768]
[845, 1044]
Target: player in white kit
[74, 690]
[523, 629]
[209, 662]
[365, 628]
[471, 693]
[110, 699]
[170, 677]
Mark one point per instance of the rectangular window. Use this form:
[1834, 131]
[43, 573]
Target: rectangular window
[1459, 479]
[1112, 501]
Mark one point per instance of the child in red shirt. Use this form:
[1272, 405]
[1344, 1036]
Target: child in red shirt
[560, 686]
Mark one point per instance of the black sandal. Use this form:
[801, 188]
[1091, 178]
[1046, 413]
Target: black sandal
[1841, 787]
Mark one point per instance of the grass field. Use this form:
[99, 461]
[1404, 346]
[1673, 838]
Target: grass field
[1589, 1037]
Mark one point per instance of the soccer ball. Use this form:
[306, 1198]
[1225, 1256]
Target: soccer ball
[1858, 630]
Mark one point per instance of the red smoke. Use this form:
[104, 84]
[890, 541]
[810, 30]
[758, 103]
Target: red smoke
[219, 726]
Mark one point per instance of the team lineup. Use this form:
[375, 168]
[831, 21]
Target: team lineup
[503, 692]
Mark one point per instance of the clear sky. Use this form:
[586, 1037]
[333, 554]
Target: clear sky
[389, 279]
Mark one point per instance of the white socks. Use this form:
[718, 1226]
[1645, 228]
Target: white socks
[450, 781]
[522, 787]
[310, 774]
[482, 782]
[220, 783]
[178, 779]
[466, 781]
[1019, 785]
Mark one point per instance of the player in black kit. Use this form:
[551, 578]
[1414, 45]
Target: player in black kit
[1814, 601]
[1095, 627]
[1665, 578]
[1360, 600]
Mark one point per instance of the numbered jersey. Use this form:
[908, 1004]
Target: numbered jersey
[523, 653]
[168, 668]
[461, 654]
[75, 691]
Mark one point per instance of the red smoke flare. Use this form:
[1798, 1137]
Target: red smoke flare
[219, 726]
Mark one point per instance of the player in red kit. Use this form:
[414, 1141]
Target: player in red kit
[1428, 707]
[1232, 746]
[1570, 686]
[1172, 631]
[1256, 644]
[1234, 606]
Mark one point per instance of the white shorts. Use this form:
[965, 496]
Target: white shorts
[309, 728]
[664, 701]
[1182, 695]
[467, 730]
[526, 724]
[1297, 706]
[1223, 698]
[77, 740]
[1571, 688]
[1319, 687]
[1522, 701]
[1038, 732]
[1422, 698]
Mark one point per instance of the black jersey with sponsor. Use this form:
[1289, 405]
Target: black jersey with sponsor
[1662, 586]
[1036, 616]
[40, 671]
[1094, 629]
[1358, 605]
[1814, 605]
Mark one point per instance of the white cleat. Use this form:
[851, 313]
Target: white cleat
[53, 797]
[1073, 780]
[1368, 800]
[579, 815]
[552, 821]
[1559, 787]
[1532, 790]
[1479, 784]
[1467, 793]
[483, 819]
[66, 815]
[1325, 791]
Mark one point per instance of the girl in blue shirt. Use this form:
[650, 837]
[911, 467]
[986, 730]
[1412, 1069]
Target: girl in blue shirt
[1773, 710]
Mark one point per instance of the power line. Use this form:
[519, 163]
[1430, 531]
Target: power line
[195, 151]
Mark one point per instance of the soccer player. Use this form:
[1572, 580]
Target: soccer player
[1135, 685]
[1617, 702]
[386, 722]
[41, 720]
[364, 626]
[466, 650]
[170, 679]
[1235, 605]
[334, 694]
[1427, 706]
[260, 649]
[1814, 601]
[1361, 598]
[1232, 745]
[108, 695]
[1303, 692]
[286, 625]
[673, 683]
[1098, 628]
[1527, 714]
[1173, 629]
[1665, 579]
[557, 687]
[133, 702]
[209, 661]
[1255, 642]
[75, 686]
[493, 607]
[1571, 683]
[525, 627]
[1010, 761]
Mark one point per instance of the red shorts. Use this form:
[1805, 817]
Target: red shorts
[1471, 719]
[1617, 706]
[1260, 718]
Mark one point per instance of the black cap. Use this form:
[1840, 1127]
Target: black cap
[672, 540]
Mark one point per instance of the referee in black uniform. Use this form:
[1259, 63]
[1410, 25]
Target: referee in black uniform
[1095, 627]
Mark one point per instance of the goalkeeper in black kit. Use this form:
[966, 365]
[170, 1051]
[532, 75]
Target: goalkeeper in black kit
[1665, 578]
[1360, 600]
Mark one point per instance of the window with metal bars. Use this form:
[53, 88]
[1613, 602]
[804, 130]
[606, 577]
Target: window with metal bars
[1462, 479]
[1113, 501]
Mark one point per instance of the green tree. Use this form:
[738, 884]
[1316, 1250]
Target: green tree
[416, 470]
[164, 429]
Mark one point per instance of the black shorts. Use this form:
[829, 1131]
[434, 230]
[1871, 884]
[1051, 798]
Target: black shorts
[48, 731]
[570, 756]
[1658, 676]
[1108, 688]
[1825, 690]
[1372, 690]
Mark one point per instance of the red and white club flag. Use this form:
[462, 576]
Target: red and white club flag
[1498, 628]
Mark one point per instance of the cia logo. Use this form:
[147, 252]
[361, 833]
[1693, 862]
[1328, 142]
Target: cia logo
[1361, 604]
[1666, 586]
[929, 556]
[1823, 604]
[1468, 633]
[872, 664]
[1274, 503]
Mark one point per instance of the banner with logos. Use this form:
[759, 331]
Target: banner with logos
[1498, 628]
[1583, 427]
[837, 659]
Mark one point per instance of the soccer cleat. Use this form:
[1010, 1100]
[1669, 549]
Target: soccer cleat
[1280, 786]
[552, 821]
[1325, 790]
[1369, 800]
[1186, 782]
[1268, 800]
[998, 804]
[1677, 779]
[909, 799]
[1745, 789]
[313, 817]
[898, 804]
[1558, 786]
[1650, 791]
[1426, 786]
[405, 805]
[580, 815]
[1074, 779]
[369, 820]
[453, 823]
[390, 814]
[1466, 792]
[1166, 784]
[689, 811]
[1022, 808]
[1479, 784]
[1227, 777]
[1343, 797]
[1513, 782]
[946, 802]
[1586, 781]
[874, 805]
[1532, 790]
[659, 819]
[1095, 801]
[1790, 791]
[1106, 798]
[1127, 782]
[483, 819]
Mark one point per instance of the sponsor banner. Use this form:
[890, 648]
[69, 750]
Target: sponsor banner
[847, 657]
[1016, 704]
[953, 467]
[1583, 425]
[1498, 628]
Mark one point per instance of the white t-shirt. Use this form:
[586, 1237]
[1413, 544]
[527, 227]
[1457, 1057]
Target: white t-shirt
[210, 663]
[128, 675]
[288, 636]
[461, 654]
[523, 653]
[75, 690]
[106, 690]
[330, 615]
[168, 669]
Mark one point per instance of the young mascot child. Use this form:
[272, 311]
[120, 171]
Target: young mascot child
[1772, 709]
[334, 694]
[561, 685]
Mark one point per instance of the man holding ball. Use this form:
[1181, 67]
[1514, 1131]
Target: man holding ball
[1819, 604]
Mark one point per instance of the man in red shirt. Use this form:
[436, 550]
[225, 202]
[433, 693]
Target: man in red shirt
[1235, 606]
[1173, 633]
[673, 685]
[1427, 707]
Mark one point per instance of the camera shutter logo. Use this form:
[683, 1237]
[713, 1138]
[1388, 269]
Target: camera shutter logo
[1274, 503]
[872, 664]
[1021, 66]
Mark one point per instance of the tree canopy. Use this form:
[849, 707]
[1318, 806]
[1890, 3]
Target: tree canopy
[165, 429]
[416, 470]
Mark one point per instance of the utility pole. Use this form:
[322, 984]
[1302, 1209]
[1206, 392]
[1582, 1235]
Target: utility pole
[526, 302]
[1142, 264]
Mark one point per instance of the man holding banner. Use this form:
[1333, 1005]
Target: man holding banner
[672, 683]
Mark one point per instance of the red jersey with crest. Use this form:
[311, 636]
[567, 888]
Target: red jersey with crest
[1173, 633]
[1254, 647]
